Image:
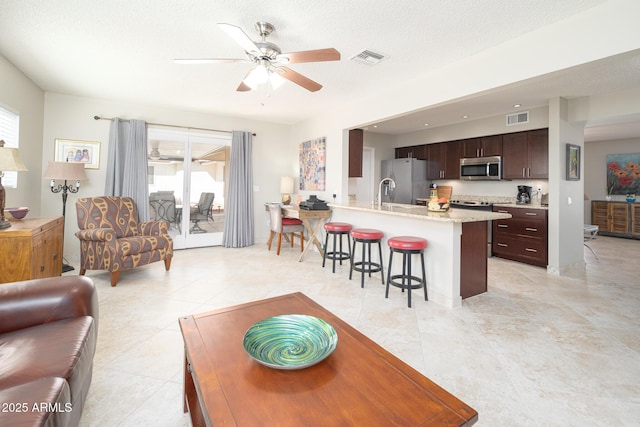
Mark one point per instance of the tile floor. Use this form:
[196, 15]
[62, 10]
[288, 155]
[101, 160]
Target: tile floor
[536, 350]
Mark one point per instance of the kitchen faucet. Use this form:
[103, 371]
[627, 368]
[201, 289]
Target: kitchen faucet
[392, 184]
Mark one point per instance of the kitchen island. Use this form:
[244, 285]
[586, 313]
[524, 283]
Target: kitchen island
[456, 257]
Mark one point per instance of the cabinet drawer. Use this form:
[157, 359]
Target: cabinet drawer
[528, 250]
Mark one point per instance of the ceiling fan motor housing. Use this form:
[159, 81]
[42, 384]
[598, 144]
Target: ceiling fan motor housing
[269, 51]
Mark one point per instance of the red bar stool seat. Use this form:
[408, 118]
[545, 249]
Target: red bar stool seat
[366, 236]
[336, 229]
[407, 246]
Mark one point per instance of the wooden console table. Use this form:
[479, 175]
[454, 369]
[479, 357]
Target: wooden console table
[31, 249]
[359, 384]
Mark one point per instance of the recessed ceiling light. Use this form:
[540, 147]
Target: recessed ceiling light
[465, 117]
[517, 105]
[375, 126]
[426, 124]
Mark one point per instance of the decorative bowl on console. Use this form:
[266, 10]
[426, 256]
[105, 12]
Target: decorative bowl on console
[17, 213]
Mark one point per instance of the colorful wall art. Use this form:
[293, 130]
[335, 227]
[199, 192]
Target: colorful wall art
[313, 156]
[623, 173]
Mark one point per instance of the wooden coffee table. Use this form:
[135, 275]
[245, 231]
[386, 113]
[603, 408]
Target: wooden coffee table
[359, 384]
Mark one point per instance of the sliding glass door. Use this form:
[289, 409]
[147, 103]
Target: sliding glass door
[188, 182]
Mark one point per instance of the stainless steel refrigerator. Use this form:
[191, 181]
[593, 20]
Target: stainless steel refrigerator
[410, 176]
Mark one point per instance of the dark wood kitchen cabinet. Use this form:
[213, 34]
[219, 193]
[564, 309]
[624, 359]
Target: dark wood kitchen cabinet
[444, 160]
[526, 155]
[356, 146]
[415, 151]
[523, 237]
[482, 147]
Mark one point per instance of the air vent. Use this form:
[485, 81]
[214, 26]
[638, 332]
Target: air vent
[368, 57]
[517, 118]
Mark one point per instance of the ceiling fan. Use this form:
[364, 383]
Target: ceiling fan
[269, 59]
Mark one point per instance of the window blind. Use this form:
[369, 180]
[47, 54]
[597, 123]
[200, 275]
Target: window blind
[9, 127]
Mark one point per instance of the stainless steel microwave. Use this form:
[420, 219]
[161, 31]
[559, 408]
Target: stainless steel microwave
[481, 168]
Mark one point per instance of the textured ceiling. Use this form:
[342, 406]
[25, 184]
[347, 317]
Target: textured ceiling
[123, 50]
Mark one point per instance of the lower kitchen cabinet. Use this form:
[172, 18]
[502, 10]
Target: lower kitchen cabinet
[32, 249]
[620, 219]
[523, 237]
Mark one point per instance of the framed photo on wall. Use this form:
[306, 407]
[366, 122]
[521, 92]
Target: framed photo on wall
[573, 162]
[74, 151]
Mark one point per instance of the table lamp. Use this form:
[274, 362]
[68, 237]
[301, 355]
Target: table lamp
[67, 172]
[9, 161]
[286, 188]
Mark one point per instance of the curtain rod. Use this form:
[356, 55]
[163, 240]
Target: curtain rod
[171, 126]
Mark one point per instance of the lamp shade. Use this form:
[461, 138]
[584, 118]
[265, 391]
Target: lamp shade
[10, 161]
[66, 171]
[286, 185]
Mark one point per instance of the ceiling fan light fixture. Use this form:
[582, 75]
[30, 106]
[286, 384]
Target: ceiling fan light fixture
[276, 79]
[256, 77]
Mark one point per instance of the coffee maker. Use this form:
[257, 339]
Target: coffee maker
[524, 195]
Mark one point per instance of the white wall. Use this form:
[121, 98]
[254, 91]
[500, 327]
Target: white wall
[71, 117]
[21, 95]
[595, 168]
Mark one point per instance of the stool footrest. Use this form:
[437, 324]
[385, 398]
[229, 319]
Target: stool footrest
[338, 256]
[368, 267]
[417, 280]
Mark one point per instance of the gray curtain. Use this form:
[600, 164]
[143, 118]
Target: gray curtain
[238, 224]
[127, 163]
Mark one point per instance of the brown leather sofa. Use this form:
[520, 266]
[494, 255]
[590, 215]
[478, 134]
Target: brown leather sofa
[48, 334]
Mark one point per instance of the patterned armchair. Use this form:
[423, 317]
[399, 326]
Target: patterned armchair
[112, 239]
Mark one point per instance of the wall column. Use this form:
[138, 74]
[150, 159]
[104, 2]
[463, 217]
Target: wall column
[566, 206]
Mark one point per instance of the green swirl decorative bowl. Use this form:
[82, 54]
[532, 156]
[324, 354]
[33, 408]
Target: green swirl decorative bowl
[290, 341]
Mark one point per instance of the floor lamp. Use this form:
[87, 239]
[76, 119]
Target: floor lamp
[67, 172]
[9, 161]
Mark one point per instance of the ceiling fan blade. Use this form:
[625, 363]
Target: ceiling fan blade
[298, 79]
[207, 60]
[317, 55]
[243, 87]
[240, 37]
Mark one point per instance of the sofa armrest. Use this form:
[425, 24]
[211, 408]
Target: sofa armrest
[153, 228]
[97, 235]
[39, 301]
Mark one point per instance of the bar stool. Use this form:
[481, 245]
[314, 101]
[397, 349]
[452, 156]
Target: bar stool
[407, 246]
[366, 236]
[336, 229]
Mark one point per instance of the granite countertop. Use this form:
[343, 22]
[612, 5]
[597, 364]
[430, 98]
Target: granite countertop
[421, 212]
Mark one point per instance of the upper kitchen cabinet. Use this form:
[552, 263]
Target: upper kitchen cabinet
[482, 147]
[415, 151]
[356, 146]
[444, 160]
[526, 155]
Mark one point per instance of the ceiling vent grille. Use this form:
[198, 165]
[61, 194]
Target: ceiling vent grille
[368, 57]
[517, 118]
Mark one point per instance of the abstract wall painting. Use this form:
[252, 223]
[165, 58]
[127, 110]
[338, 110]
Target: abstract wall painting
[623, 173]
[313, 158]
